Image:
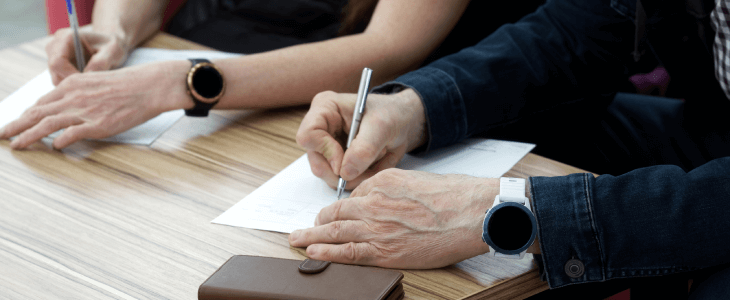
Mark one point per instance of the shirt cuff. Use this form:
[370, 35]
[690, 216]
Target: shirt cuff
[571, 251]
[442, 102]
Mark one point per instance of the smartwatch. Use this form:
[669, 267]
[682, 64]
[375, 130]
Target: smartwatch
[510, 226]
[205, 85]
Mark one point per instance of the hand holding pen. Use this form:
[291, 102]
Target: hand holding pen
[390, 125]
[73, 20]
[69, 53]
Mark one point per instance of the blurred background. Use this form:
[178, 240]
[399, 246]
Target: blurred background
[21, 21]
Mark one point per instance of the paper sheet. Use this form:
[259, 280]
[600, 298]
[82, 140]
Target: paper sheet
[144, 134]
[292, 199]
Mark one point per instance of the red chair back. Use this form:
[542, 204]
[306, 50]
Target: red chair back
[57, 17]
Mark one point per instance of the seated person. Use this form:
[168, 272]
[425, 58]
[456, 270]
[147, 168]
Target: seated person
[551, 79]
[399, 36]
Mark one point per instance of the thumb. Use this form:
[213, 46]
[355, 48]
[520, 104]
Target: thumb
[365, 149]
[103, 60]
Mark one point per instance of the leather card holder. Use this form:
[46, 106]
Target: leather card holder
[256, 277]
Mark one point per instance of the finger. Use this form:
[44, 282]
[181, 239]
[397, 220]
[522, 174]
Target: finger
[61, 56]
[339, 211]
[365, 148]
[350, 253]
[320, 126]
[390, 160]
[322, 142]
[61, 69]
[335, 232]
[29, 118]
[321, 168]
[47, 126]
[74, 134]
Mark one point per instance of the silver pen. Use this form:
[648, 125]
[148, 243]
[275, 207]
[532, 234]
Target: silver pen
[362, 97]
[74, 21]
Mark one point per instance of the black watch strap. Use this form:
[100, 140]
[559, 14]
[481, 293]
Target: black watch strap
[201, 108]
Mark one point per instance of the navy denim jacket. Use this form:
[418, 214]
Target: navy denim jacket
[651, 221]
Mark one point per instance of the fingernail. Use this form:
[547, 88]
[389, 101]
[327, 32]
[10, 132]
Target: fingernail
[349, 171]
[14, 144]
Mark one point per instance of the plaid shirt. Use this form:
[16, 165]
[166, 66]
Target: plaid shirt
[720, 17]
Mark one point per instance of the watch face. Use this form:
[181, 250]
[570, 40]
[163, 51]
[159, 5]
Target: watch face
[511, 227]
[207, 82]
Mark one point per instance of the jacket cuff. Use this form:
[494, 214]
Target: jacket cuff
[441, 100]
[571, 251]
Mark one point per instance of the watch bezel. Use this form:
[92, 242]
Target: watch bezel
[191, 88]
[490, 213]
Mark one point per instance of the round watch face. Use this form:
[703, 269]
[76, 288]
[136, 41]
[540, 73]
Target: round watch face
[207, 82]
[511, 227]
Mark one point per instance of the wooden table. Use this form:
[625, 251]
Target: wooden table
[101, 220]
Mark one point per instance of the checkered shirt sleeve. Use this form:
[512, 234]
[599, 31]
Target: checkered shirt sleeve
[720, 17]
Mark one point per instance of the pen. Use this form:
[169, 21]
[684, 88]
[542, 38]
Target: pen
[74, 21]
[362, 97]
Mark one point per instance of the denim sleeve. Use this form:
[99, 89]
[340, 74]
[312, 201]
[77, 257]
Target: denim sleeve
[651, 221]
[562, 52]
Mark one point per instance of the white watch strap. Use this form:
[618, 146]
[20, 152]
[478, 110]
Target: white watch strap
[512, 189]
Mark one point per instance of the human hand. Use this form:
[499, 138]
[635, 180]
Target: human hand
[102, 52]
[403, 219]
[392, 125]
[101, 104]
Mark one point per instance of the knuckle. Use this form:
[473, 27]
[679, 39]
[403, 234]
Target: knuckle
[302, 136]
[34, 113]
[62, 33]
[336, 208]
[71, 134]
[351, 253]
[334, 231]
[322, 96]
[376, 198]
[48, 122]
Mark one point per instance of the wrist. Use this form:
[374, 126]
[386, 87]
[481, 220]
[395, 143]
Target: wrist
[417, 135]
[115, 32]
[174, 75]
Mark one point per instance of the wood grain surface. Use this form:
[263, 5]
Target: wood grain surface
[103, 220]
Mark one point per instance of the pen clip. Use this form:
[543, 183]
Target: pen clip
[362, 93]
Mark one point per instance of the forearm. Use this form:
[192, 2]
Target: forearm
[651, 221]
[398, 39]
[132, 21]
[292, 76]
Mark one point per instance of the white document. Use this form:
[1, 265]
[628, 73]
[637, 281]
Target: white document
[292, 199]
[144, 134]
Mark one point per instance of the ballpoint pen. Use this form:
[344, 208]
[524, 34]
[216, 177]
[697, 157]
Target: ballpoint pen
[74, 21]
[362, 97]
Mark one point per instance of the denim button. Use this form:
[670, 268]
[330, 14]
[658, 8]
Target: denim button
[574, 268]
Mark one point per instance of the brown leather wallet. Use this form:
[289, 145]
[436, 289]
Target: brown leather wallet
[256, 277]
